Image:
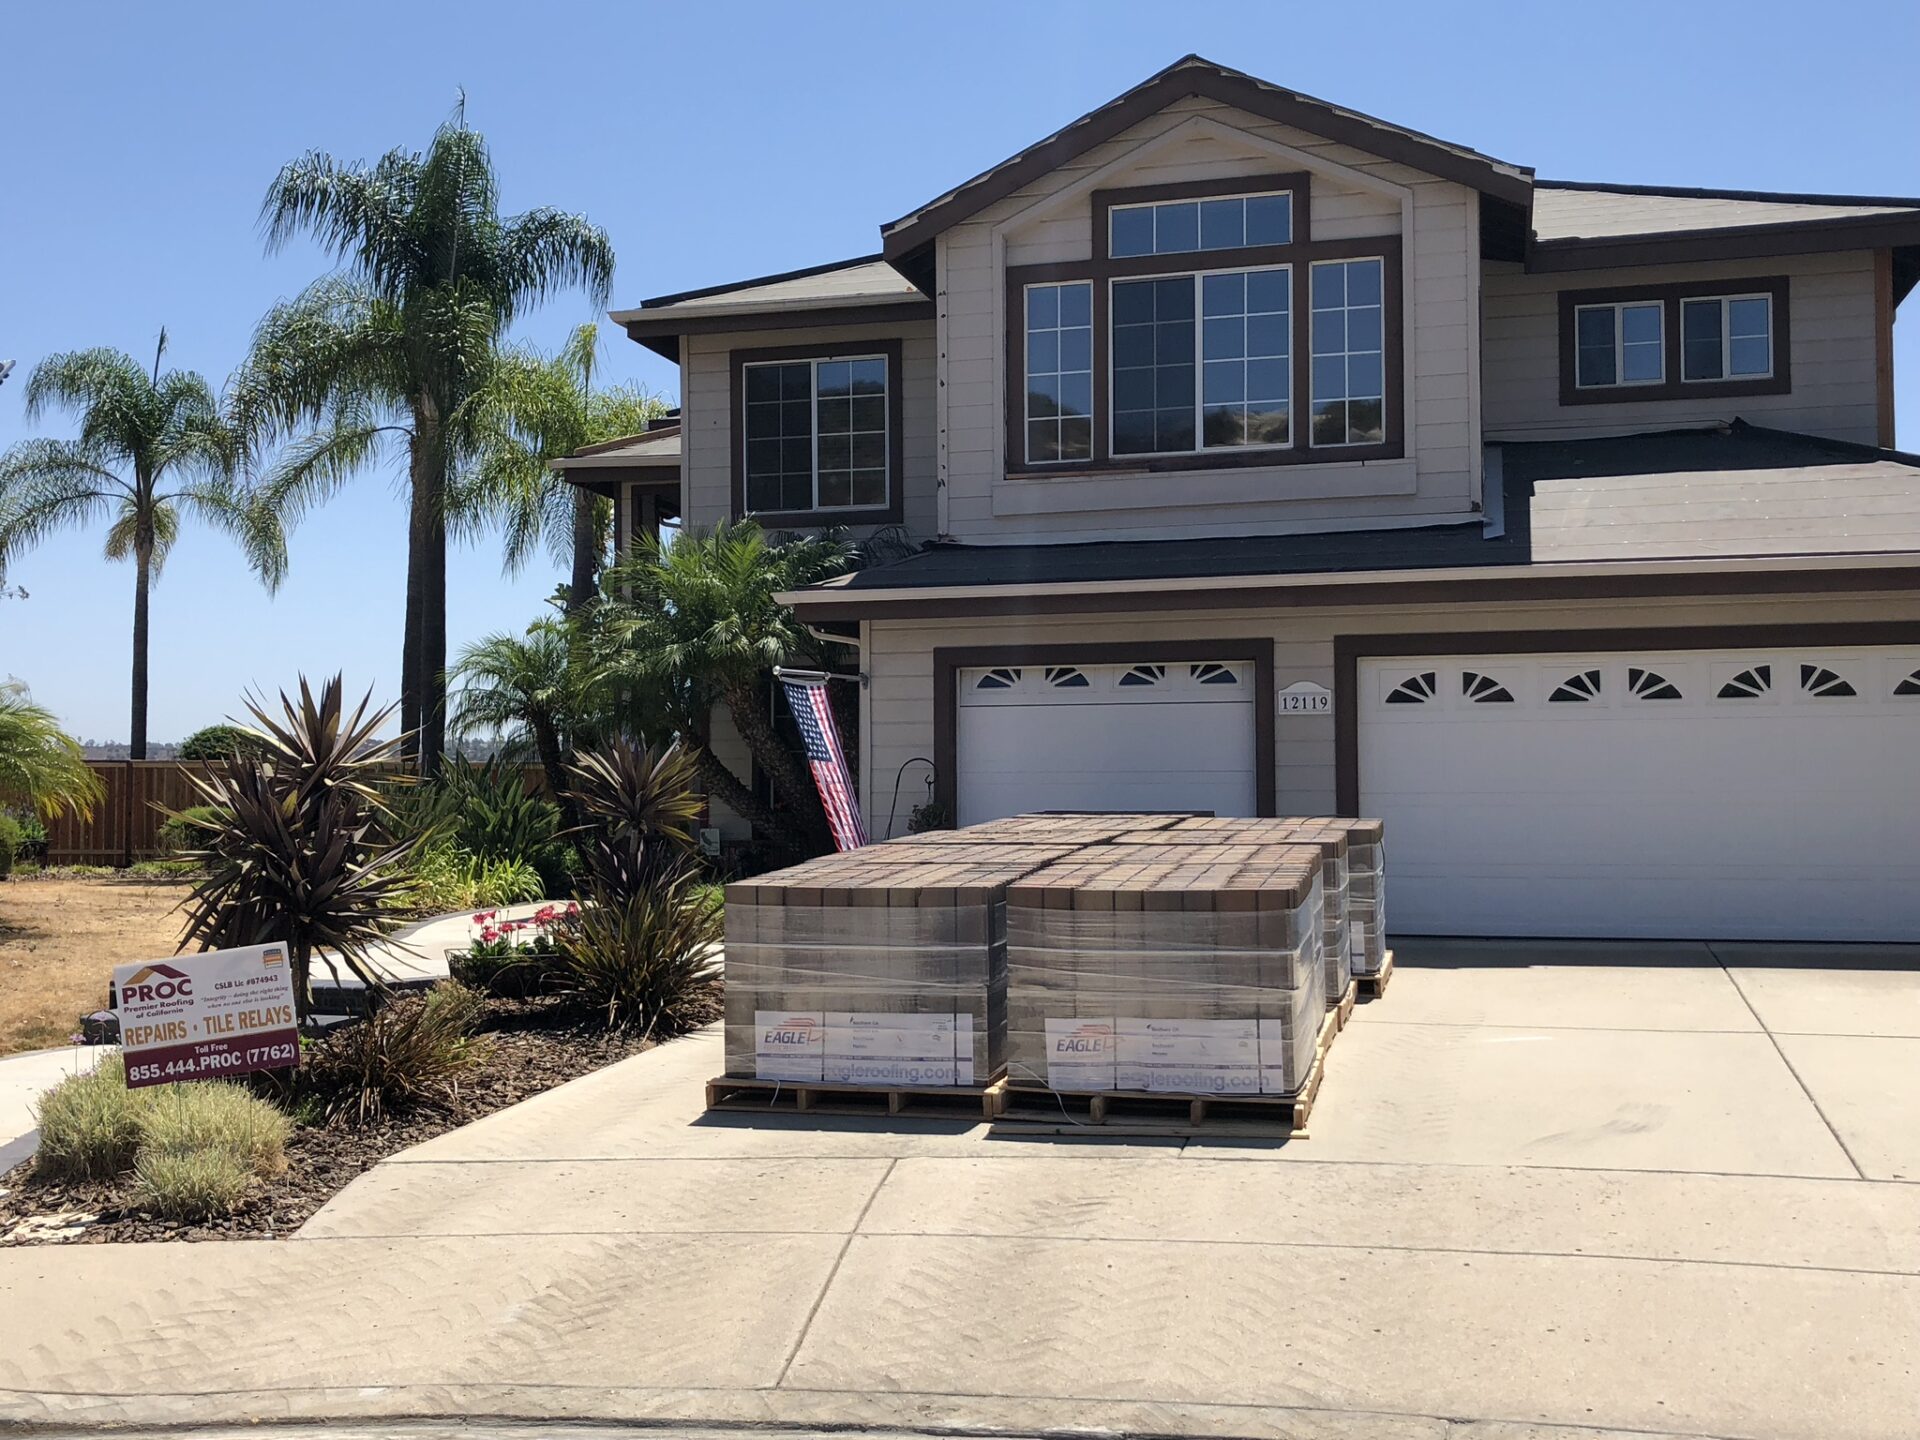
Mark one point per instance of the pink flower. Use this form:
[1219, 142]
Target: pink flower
[544, 915]
[573, 909]
[489, 935]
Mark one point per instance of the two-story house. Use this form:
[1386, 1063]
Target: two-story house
[1268, 458]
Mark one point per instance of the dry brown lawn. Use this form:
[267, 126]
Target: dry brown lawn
[61, 936]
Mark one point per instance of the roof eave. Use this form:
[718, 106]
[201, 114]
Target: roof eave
[1737, 242]
[1893, 570]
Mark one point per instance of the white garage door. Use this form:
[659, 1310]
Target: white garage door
[1716, 795]
[1174, 736]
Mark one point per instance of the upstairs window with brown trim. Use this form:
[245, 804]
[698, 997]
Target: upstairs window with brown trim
[1131, 361]
[817, 438]
[1690, 340]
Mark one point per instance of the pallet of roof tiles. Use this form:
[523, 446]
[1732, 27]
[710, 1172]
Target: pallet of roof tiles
[1145, 972]
[863, 970]
[1337, 941]
[1366, 871]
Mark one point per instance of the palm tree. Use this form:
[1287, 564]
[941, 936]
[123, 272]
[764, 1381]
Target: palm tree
[536, 409]
[695, 622]
[152, 447]
[545, 688]
[394, 349]
[41, 766]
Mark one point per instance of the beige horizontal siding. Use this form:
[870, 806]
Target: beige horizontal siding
[707, 420]
[899, 656]
[1441, 275]
[1830, 299]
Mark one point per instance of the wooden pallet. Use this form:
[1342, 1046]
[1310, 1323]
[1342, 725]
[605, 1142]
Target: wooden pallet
[1372, 987]
[762, 1097]
[1343, 1012]
[1031, 1109]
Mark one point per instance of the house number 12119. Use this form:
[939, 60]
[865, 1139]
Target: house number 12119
[1305, 698]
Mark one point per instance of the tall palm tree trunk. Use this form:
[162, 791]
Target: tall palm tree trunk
[588, 553]
[433, 637]
[410, 631]
[726, 787]
[142, 590]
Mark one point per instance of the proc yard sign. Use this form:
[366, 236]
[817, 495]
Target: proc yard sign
[197, 1017]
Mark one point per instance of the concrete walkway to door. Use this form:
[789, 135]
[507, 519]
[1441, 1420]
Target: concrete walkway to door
[1569, 1191]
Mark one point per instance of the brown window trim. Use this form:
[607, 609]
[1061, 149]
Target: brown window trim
[738, 360]
[1349, 650]
[1101, 271]
[1670, 296]
[948, 661]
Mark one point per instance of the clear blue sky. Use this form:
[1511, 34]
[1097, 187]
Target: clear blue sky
[716, 141]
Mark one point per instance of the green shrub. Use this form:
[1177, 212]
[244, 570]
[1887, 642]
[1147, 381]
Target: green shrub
[412, 1050]
[9, 844]
[90, 1124]
[188, 829]
[30, 839]
[163, 869]
[223, 742]
[215, 1115]
[445, 879]
[646, 962]
[190, 1184]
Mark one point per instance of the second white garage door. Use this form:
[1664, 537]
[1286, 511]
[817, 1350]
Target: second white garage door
[1763, 794]
[1174, 736]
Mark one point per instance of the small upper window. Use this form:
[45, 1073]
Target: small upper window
[1180, 227]
[1619, 345]
[816, 434]
[1726, 338]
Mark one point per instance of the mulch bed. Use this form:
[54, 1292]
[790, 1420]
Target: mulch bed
[536, 1045]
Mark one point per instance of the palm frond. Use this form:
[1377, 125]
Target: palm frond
[42, 768]
[335, 349]
[251, 518]
[357, 215]
[546, 251]
[160, 523]
[47, 486]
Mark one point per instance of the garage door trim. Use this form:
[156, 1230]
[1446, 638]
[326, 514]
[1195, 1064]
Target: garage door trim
[1349, 650]
[948, 661]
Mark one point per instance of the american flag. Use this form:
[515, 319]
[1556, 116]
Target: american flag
[814, 714]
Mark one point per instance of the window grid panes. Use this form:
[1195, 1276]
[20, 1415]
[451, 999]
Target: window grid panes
[1202, 361]
[1180, 227]
[1349, 353]
[1727, 338]
[1246, 332]
[1619, 345]
[1060, 372]
[816, 434]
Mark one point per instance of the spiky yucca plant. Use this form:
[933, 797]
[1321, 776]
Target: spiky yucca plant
[295, 845]
[638, 809]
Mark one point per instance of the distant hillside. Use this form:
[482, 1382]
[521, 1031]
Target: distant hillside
[117, 750]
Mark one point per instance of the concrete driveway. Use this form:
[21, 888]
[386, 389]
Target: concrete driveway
[1573, 1191]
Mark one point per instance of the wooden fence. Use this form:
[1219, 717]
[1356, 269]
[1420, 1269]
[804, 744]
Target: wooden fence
[126, 823]
[125, 826]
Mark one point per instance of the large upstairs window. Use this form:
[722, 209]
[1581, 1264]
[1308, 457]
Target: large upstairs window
[1133, 360]
[819, 434]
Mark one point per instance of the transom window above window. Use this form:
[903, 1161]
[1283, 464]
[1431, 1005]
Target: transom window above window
[816, 434]
[1728, 337]
[1181, 227]
[1619, 345]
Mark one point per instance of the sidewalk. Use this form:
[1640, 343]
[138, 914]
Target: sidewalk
[23, 1080]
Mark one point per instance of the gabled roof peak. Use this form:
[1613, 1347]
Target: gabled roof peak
[1197, 75]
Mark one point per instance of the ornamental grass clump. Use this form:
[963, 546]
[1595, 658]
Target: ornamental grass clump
[190, 1184]
[90, 1124]
[202, 1115]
